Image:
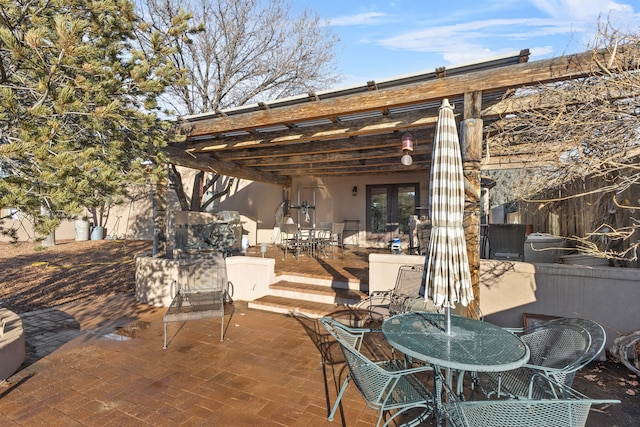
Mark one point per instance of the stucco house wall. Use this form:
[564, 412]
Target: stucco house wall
[255, 201]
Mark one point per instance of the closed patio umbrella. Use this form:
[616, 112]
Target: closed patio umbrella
[447, 279]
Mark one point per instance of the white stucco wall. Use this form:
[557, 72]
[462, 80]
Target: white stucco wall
[607, 295]
[156, 278]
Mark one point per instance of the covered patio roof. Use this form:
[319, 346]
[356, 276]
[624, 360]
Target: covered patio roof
[358, 130]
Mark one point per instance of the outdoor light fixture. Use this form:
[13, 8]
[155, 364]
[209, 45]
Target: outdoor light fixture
[407, 148]
[354, 190]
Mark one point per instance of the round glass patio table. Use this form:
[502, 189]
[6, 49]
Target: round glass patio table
[471, 345]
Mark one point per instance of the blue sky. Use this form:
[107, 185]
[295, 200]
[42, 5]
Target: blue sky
[384, 39]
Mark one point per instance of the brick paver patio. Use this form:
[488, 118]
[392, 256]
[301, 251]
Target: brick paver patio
[101, 363]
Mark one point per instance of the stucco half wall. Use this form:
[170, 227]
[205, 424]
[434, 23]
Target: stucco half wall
[607, 295]
[156, 278]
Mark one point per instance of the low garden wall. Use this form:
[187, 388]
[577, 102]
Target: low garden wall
[12, 343]
[508, 289]
[156, 278]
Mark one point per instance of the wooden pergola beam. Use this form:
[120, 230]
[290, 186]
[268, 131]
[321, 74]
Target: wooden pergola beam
[502, 78]
[335, 130]
[180, 157]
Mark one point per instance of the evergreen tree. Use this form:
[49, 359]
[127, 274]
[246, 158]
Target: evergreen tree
[78, 105]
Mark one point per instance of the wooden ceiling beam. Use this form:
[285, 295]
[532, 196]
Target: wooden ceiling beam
[347, 165]
[521, 104]
[518, 75]
[361, 170]
[203, 162]
[338, 130]
[335, 157]
[373, 142]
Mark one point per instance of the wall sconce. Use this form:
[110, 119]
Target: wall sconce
[354, 190]
[407, 148]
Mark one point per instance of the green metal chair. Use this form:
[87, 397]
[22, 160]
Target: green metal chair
[202, 290]
[403, 296]
[521, 412]
[384, 385]
[558, 348]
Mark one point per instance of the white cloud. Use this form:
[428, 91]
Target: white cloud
[470, 35]
[369, 18]
[580, 9]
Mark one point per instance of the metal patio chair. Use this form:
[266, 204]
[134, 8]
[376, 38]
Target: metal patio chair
[404, 295]
[385, 385]
[558, 348]
[202, 289]
[290, 239]
[335, 238]
[521, 412]
[330, 236]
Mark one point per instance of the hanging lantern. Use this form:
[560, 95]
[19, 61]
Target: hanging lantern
[407, 148]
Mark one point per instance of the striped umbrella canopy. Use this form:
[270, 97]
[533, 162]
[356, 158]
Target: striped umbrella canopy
[447, 277]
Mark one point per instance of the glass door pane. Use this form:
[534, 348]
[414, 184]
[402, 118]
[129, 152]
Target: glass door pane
[406, 207]
[388, 209]
[378, 210]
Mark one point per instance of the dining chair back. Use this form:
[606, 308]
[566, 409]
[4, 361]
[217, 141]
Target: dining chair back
[521, 412]
[385, 385]
[597, 339]
[558, 349]
[202, 289]
[335, 238]
[404, 295]
[290, 239]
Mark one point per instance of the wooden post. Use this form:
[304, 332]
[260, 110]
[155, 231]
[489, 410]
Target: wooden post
[160, 218]
[471, 149]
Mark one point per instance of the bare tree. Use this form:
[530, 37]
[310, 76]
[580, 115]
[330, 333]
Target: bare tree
[244, 51]
[580, 128]
[239, 52]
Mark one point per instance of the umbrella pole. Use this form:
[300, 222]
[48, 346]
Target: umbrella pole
[447, 329]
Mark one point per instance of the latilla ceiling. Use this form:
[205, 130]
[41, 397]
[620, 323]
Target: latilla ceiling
[358, 130]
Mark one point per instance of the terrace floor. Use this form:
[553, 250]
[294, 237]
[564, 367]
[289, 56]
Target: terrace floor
[100, 362]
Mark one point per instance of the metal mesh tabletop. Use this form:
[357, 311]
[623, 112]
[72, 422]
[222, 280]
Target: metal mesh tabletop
[473, 345]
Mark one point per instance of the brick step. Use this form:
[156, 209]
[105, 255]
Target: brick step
[293, 306]
[316, 293]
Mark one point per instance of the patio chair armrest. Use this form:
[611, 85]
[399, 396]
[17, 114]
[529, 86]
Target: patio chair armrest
[398, 367]
[380, 293]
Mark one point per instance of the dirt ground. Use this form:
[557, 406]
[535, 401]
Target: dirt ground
[33, 278]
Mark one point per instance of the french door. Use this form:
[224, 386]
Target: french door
[388, 209]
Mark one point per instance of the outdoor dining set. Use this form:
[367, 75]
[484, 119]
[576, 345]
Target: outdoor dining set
[476, 374]
[502, 377]
[321, 240]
